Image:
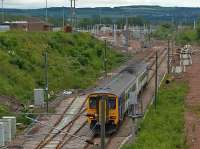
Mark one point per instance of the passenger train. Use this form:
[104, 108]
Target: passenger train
[120, 93]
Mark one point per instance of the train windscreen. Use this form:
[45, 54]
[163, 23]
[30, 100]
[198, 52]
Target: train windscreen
[111, 102]
[93, 102]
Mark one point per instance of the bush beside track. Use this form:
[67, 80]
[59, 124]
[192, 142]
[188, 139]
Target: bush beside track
[164, 129]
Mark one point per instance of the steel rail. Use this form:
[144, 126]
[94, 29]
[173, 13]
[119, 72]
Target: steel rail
[40, 145]
[69, 125]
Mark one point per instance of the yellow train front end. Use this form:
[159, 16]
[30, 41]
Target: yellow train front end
[111, 111]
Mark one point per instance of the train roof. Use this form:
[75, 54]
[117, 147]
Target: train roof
[122, 81]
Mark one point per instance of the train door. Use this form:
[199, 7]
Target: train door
[106, 104]
[124, 104]
[107, 109]
[133, 100]
[127, 100]
[133, 94]
[122, 110]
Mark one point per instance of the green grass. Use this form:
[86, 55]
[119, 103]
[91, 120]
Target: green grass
[4, 110]
[75, 62]
[164, 129]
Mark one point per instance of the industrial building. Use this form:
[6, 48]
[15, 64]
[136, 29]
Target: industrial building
[30, 24]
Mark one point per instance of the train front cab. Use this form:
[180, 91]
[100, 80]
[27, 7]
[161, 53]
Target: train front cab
[111, 111]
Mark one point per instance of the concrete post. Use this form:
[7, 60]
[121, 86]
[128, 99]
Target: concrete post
[39, 97]
[7, 129]
[2, 140]
[13, 124]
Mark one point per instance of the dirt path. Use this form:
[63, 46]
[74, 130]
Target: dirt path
[192, 114]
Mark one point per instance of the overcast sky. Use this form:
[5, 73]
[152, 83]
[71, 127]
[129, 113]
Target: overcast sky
[98, 3]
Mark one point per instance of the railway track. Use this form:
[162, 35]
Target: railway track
[66, 126]
[66, 130]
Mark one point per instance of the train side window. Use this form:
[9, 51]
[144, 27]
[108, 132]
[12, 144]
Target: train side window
[93, 102]
[111, 103]
[133, 88]
[142, 77]
[127, 95]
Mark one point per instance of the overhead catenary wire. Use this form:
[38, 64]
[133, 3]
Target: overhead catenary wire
[48, 114]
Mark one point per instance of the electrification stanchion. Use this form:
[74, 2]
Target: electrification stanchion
[46, 81]
[105, 58]
[156, 81]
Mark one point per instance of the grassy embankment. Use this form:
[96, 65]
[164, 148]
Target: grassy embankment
[164, 129]
[75, 62]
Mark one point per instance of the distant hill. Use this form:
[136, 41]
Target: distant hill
[151, 13]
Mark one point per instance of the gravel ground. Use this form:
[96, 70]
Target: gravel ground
[192, 114]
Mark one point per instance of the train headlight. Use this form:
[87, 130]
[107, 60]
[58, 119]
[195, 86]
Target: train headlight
[113, 117]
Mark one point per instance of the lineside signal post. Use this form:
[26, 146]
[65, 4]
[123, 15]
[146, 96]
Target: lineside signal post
[156, 81]
[102, 121]
[105, 59]
[46, 80]
[149, 35]
[168, 57]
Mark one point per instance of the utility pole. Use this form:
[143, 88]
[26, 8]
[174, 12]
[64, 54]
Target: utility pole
[2, 7]
[168, 56]
[115, 33]
[71, 12]
[63, 17]
[46, 80]
[46, 16]
[105, 59]
[100, 16]
[149, 35]
[140, 28]
[194, 24]
[156, 81]
[173, 45]
[127, 34]
[74, 13]
[102, 121]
